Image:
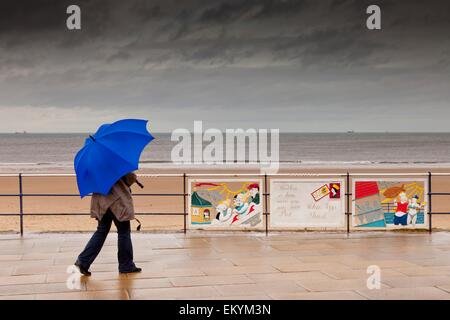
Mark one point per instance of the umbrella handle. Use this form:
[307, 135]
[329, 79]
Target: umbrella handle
[140, 184]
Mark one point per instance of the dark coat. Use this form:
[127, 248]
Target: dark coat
[119, 200]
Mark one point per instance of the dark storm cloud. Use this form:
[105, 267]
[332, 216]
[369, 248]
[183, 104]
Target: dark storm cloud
[43, 18]
[229, 11]
[292, 64]
[31, 16]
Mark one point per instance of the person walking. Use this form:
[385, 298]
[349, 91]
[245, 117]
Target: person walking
[117, 206]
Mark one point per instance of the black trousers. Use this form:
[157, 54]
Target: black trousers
[95, 244]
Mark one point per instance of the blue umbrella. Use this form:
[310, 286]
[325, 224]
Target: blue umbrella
[112, 152]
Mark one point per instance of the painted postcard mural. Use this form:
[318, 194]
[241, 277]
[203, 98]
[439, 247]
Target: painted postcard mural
[389, 203]
[307, 203]
[225, 203]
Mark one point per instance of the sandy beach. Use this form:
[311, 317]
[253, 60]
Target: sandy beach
[171, 207]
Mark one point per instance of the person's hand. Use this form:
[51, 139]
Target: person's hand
[130, 178]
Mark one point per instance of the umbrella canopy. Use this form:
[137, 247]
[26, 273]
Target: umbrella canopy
[112, 152]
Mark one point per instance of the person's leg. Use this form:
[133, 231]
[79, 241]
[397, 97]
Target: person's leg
[95, 244]
[125, 247]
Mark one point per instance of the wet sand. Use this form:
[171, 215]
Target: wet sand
[171, 207]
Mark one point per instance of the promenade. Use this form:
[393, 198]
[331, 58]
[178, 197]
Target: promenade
[232, 266]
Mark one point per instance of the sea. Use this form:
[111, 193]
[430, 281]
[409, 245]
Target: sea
[30, 151]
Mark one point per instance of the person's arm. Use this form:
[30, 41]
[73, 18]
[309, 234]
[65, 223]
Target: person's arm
[130, 179]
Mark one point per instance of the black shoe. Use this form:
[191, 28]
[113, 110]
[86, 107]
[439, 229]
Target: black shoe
[83, 270]
[134, 270]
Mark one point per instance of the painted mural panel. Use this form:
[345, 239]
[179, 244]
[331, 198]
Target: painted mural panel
[389, 203]
[225, 203]
[307, 203]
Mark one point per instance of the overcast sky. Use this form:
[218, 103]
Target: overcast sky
[296, 65]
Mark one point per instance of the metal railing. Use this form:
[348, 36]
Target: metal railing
[21, 196]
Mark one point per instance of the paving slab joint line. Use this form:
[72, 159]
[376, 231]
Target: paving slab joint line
[441, 289]
[397, 270]
[385, 284]
[279, 270]
[217, 291]
[361, 295]
[171, 282]
[329, 275]
[301, 286]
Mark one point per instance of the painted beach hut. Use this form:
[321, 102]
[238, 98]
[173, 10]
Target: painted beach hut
[200, 209]
[368, 209]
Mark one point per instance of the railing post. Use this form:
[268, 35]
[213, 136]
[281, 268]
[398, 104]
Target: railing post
[21, 204]
[347, 197]
[265, 203]
[184, 203]
[430, 212]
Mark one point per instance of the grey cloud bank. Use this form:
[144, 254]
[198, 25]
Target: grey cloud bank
[293, 65]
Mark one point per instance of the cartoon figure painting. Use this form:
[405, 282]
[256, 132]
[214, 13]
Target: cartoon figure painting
[254, 193]
[401, 214]
[389, 203]
[225, 203]
[200, 209]
[224, 212]
[206, 215]
[414, 208]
